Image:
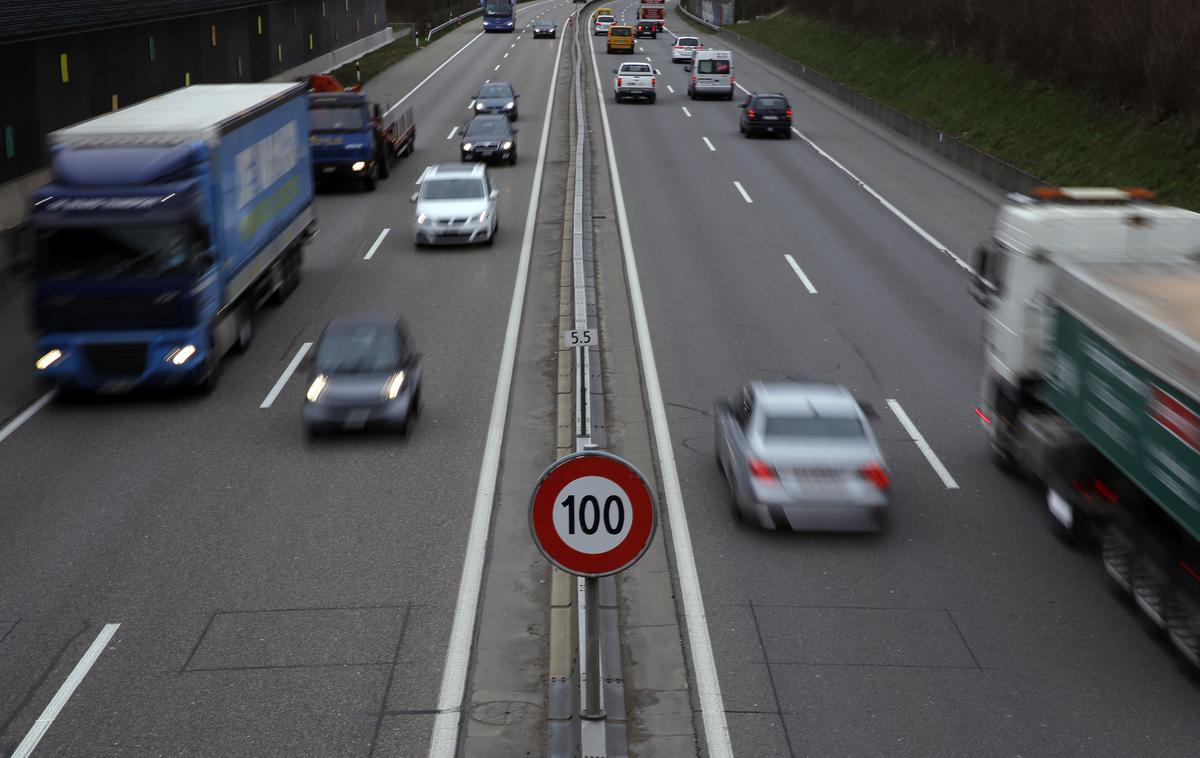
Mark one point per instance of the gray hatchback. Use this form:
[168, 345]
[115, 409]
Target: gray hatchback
[801, 456]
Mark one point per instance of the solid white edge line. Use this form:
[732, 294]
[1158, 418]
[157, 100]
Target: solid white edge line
[447, 61]
[285, 376]
[708, 688]
[453, 131]
[443, 741]
[800, 273]
[739, 86]
[933, 241]
[378, 241]
[742, 190]
[39, 728]
[922, 445]
[710, 145]
[686, 112]
[26, 414]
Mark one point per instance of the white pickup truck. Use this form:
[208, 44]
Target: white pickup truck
[635, 80]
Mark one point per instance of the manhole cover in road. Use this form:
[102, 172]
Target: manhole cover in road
[503, 712]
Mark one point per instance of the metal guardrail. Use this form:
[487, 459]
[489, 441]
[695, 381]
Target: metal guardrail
[429, 34]
[683, 9]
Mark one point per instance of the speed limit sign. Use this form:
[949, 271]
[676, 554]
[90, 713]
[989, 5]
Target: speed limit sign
[592, 514]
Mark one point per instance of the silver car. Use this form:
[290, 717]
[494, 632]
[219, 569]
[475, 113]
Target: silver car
[456, 204]
[684, 48]
[802, 456]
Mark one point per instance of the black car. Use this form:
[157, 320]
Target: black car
[646, 29]
[364, 373]
[489, 138]
[544, 27]
[766, 113]
[496, 97]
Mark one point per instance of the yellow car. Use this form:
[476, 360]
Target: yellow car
[620, 38]
[603, 12]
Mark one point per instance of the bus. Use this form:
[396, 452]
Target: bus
[498, 15]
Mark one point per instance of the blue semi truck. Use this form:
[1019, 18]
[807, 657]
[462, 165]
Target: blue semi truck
[354, 139]
[164, 227]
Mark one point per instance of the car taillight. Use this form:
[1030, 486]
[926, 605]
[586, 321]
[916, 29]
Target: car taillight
[789, 112]
[618, 81]
[876, 475]
[653, 82]
[750, 113]
[761, 471]
[693, 78]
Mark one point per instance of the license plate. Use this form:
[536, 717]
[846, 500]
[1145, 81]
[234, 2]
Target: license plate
[489, 152]
[818, 477]
[770, 118]
[329, 169]
[356, 419]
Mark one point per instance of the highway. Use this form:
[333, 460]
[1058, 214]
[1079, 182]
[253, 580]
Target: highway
[967, 628]
[274, 596]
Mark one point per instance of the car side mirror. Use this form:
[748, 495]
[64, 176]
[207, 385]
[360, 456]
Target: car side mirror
[614, 71]
[493, 194]
[515, 130]
[413, 197]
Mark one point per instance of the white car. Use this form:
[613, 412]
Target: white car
[635, 81]
[456, 204]
[684, 48]
[602, 24]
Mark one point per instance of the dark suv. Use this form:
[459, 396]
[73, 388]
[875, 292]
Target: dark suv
[766, 113]
[647, 29]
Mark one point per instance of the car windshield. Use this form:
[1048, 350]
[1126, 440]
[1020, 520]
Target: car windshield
[712, 67]
[498, 8]
[358, 349]
[452, 189]
[635, 69]
[813, 427]
[496, 91]
[138, 252]
[325, 119]
[542, 24]
[771, 103]
[688, 42]
[487, 127]
[619, 31]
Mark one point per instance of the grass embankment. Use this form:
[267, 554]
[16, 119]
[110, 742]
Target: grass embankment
[1057, 134]
[377, 61]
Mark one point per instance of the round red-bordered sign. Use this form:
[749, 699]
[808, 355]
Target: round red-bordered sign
[592, 514]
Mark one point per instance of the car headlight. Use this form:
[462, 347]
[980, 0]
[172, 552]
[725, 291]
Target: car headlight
[422, 218]
[359, 165]
[509, 105]
[479, 106]
[394, 385]
[181, 355]
[506, 146]
[316, 388]
[467, 146]
[49, 359]
[483, 216]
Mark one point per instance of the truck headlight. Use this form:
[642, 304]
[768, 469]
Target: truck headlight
[506, 146]
[394, 385]
[359, 165]
[181, 355]
[421, 218]
[467, 146]
[509, 105]
[49, 359]
[316, 388]
[479, 106]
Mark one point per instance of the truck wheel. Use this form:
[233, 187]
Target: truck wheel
[369, 180]
[245, 328]
[384, 170]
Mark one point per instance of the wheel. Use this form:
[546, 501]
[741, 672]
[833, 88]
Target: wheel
[245, 328]
[491, 239]
[787, 134]
[730, 95]
[653, 98]
[512, 159]
[370, 179]
[384, 169]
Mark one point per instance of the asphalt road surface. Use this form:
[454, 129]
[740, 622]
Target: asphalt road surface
[274, 596]
[967, 629]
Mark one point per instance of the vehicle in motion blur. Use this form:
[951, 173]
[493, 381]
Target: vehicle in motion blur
[498, 15]
[801, 456]
[1091, 342]
[620, 39]
[364, 373]
[353, 139]
[647, 28]
[766, 113]
[635, 81]
[712, 74]
[456, 204]
[603, 23]
[684, 48]
[489, 138]
[164, 226]
[544, 27]
[496, 97]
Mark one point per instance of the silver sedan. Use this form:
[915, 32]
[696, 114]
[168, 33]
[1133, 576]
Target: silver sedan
[801, 456]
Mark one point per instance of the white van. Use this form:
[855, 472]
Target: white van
[712, 74]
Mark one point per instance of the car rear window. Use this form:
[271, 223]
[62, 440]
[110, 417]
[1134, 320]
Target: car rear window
[635, 69]
[813, 427]
[771, 103]
[712, 67]
[487, 127]
[619, 31]
[688, 41]
[605, 19]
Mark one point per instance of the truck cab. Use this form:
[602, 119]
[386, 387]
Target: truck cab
[342, 138]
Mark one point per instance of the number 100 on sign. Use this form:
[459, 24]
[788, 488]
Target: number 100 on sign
[592, 514]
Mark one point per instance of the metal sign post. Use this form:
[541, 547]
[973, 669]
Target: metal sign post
[592, 708]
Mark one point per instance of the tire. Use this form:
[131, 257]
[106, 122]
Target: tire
[512, 158]
[384, 169]
[370, 179]
[730, 95]
[653, 98]
[245, 328]
[787, 134]
[491, 239]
